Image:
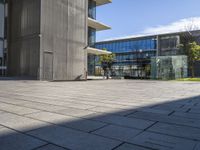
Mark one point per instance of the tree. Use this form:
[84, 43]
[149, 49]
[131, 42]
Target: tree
[192, 50]
[106, 62]
[189, 45]
[194, 55]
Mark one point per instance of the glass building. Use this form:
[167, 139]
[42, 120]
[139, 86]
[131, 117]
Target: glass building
[93, 27]
[133, 55]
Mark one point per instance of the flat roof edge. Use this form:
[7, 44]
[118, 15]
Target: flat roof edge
[144, 36]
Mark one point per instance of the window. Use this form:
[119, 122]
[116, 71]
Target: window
[1, 20]
[169, 42]
[91, 36]
[1, 48]
[92, 9]
[1, 29]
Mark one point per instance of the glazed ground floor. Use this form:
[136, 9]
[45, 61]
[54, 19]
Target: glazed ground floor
[160, 67]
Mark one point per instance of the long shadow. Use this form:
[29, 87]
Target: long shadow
[161, 126]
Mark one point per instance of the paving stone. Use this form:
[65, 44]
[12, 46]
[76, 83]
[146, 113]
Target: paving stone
[16, 109]
[20, 123]
[42, 106]
[115, 111]
[74, 112]
[73, 139]
[12, 140]
[162, 142]
[50, 147]
[154, 99]
[68, 121]
[51, 117]
[167, 119]
[11, 100]
[171, 107]
[103, 104]
[195, 110]
[1, 126]
[152, 110]
[176, 130]
[187, 115]
[124, 121]
[84, 125]
[79, 105]
[197, 147]
[130, 147]
[60, 102]
[117, 132]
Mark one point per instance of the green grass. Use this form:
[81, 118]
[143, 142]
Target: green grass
[189, 79]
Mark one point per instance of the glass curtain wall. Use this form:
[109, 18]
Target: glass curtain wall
[169, 67]
[2, 39]
[132, 56]
[91, 31]
[169, 46]
[91, 37]
[92, 9]
[128, 45]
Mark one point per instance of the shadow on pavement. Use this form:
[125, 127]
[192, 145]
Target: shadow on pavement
[173, 125]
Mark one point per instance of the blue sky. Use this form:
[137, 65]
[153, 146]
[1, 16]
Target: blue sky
[133, 17]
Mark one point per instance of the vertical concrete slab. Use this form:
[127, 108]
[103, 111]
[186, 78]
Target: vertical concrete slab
[63, 30]
[40, 28]
[23, 39]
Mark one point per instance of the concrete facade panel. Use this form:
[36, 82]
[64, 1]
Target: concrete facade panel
[24, 28]
[48, 32]
[63, 29]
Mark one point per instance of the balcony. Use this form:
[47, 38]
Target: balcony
[95, 51]
[102, 2]
[97, 25]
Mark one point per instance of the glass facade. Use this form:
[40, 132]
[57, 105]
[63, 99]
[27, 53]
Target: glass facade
[92, 9]
[91, 64]
[2, 38]
[169, 46]
[124, 46]
[91, 37]
[1, 28]
[132, 56]
[169, 67]
[91, 31]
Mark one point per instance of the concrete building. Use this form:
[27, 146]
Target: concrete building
[134, 55]
[47, 39]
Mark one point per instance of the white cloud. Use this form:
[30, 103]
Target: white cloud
[178, 26]
[187, 24]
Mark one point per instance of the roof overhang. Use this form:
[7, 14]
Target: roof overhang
[95, 51]
[102, 2]
[97, 25]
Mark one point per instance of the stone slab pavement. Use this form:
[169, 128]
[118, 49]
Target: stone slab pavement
[99, 115]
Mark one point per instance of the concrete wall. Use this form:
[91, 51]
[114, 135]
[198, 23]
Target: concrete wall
[23, 38]
[47, 39]
[63, 38]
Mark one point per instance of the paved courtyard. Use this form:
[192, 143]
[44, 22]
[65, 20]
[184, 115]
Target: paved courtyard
[99, 115]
